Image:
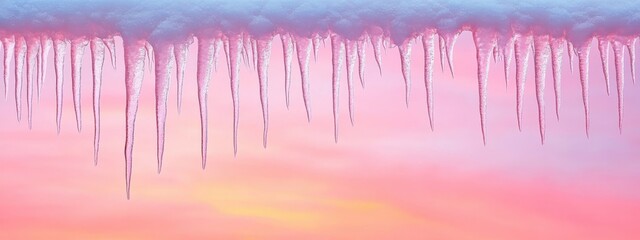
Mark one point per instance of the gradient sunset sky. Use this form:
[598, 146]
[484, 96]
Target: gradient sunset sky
[389, 176]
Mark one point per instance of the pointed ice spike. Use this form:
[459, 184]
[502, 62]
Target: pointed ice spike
[303, 47]
[77, 51]
[557, 44]
[570, 51]
[618, 52]
[522, 46]
[20, 54]
[351, 62]
[59, 51]
[361, 59]
[541, 57]
[164, 61]
[235, 48]
[443, 51]
[337, 52]
[405, 61]
[264, 54]
[206, 51]
[111, 46]
[583, 61]
[428, 44]
[507, 51]
[376, 42]
[180, 52]
[450, 42]
[287, 51]
[485, 41]
[603, 48]
[46, 44]
[8, 45]
[33, 47]
[134, 54]
[631, 47]
[97, 47]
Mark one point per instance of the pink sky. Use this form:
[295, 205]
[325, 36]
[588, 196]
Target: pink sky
[389, 176]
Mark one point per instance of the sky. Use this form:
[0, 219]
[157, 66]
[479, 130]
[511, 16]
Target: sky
[389, 175]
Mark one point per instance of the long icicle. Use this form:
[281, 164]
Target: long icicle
[603, 48]
[618, 52]
[337, 52]
[264, 54]
[97, 47]
[351, 63]
[287, 51]
[522, 46]
[428, 44]
[164, 61]
[180, 52]
[8, 45]
[405, 61]
[206, 51]
[77, 52]
[20, 54]
[631, 48]
[134, 54]
[557, 45]
[541, 57]
[583, 61]
[303, 47]
[59, 51]
[235, 49]
[485, 41]
[33, 47]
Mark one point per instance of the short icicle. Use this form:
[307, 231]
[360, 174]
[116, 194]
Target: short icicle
[522, 46]
[428, 44]
[337, 52]
[20, 55]
[287, 51]
[351, 46]
[33, 48]
[164, 61]
[8, 46]
[570, 51]
[603, 48]
[263, 55]
[180, 53]
[77, 51]
[45, 44]
[111, 46]
[206, 51]
[557, 44]
[134, 54]
[361, 59]
[235, 49]
[583, 65]
[97, 47]
[443, 51]
[303, 47]
[376, 42]
[405, 61]
[541, 58]
[618, 52]
[450, 42]
[485, 41]
[507, 53]
[59, 52]
[631, 48]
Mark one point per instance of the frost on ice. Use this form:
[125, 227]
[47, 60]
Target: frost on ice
[158, 34]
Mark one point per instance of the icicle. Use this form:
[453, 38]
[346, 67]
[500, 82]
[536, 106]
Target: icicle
[376, 41]
[631, 47]
[20, 53]
[507, 51]
[583, 60]
[405, 61]
[522, 46]
[541, 57]
[264, 54]
[97, 62]
[570, 51]
[149, 52]
[235, 48]
[450, 42]
[254, 54]
[218, 45]
[164, 61]
[59, 51]
[246, 49]
[351, 62]
[33, 47]
[303, 47]
[603, 48]
[618, 52]
[287, 51]
[206, 51]
[316, 46]
[134, 54]
[428, 44]
[485, 41]
[45, 44]
[111, 46]
[337, 51]
[361, 59]
[180, 52]
[77, 51]
[443, 51]
[8, 46]
[556, 65]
